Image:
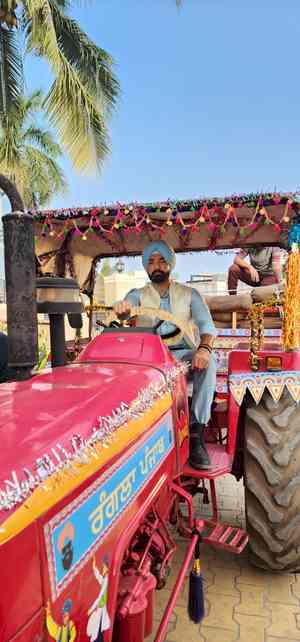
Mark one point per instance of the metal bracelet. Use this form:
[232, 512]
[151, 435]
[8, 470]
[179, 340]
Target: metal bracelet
[206, 347]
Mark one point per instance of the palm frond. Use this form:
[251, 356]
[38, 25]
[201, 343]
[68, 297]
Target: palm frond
[43, 139]
[33, 102]
[41, 33]
[7, 5]
[11, 69]
[80, 125]
[76, 110]
[44, 167]
[28, 153]
[93, 64]
[9, 150]
[46, 178]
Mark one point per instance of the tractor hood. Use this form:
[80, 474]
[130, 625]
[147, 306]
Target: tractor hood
[46, 412]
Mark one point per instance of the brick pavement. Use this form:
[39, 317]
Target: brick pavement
[243, 604]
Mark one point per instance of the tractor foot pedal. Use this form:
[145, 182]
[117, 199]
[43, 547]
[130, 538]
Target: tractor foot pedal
[230, 538]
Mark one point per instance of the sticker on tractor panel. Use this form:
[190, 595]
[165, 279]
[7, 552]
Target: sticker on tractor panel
[65, 629]
[98, 616]
[73, 533]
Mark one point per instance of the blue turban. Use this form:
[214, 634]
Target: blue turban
[159, 247]
[67, 606]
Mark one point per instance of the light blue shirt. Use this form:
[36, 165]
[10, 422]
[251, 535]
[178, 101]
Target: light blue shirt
[199, 313]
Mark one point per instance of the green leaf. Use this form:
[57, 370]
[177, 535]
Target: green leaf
[80, 126]
[11, 69]
[93, 64]
[28, 153]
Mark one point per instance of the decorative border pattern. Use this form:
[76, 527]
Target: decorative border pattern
[104, 502]
[222, 385]
[257, 383]
[80, 449]
[245, 332]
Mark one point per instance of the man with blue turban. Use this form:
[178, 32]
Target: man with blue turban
[186, 304]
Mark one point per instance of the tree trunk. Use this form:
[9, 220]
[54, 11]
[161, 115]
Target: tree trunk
[12, 194]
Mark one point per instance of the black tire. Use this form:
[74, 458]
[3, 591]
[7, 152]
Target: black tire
[272, 482]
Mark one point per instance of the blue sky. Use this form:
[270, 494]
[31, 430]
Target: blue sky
[210, 101]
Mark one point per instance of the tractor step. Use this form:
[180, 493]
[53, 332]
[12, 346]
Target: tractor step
[227, 537]
[221, 463]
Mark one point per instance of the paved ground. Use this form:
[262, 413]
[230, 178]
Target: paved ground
[242, 603]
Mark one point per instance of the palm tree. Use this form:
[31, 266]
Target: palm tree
[84, 90]
[29, 153]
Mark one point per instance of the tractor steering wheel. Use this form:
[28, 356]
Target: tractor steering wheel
[170, 338]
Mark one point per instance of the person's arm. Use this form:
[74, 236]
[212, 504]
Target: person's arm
[132, 299]
[240, 259]
[207, 330]
[98, 575]
[72, 632]
[276, 263]
[241, 262]
[52, 627]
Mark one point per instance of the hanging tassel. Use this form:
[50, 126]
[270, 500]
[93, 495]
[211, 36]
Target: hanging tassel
[196, 609]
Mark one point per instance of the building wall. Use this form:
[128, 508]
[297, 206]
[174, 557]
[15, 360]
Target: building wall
[112, 288]
[210, 283]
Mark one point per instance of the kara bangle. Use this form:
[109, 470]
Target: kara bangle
[206, 347]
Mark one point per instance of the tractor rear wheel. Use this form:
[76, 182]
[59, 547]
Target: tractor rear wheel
[272, 482]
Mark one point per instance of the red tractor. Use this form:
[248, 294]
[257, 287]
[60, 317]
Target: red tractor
[94, 473]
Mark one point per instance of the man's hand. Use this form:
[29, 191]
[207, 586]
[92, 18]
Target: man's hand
[122, 309]
[253, 274]
[201, 359]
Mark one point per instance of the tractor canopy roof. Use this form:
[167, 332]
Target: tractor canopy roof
[70, 241]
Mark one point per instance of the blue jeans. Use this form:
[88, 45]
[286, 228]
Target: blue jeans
[204, 386]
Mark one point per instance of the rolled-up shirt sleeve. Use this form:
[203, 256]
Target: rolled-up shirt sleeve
[201, 315]
[133, 297]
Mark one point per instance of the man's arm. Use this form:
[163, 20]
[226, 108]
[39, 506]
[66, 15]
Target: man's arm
[132, 299]
[202, 318]
[240, 259]
[72, 632]
[52, 627]
[241, 262]
[276, 263]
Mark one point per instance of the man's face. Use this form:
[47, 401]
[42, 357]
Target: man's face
[158, 269]
[67, 555]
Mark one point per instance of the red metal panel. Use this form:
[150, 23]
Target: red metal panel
[83, 588]
[144, 348]
[33, 631]
[21, 592]
[52, 407]
[239, 360]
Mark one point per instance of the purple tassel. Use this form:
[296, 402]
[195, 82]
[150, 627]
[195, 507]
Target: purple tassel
[196, 609]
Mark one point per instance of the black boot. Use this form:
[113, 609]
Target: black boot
[199, 457]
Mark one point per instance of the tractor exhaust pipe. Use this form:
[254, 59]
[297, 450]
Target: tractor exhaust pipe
[20, 279]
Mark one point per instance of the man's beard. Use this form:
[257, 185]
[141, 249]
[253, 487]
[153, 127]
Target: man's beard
[159, 277]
